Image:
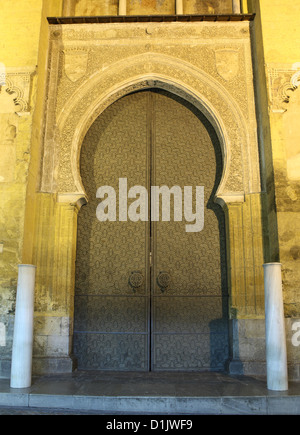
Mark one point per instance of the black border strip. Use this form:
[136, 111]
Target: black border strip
[149, 19]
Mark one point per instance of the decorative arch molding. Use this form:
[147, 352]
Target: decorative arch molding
[151, 70]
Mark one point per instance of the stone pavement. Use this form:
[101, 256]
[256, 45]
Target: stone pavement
[42, 411]
[115, 393]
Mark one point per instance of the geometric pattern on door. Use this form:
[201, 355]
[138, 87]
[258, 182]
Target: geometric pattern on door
[149, 295]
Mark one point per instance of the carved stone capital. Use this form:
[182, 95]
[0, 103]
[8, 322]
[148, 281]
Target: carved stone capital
[74, 199]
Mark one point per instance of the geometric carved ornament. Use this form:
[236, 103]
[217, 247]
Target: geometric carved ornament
[282, 81]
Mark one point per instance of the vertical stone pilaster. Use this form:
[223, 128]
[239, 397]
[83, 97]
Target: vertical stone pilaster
[246, 246]
[54, 256]
[246, 257]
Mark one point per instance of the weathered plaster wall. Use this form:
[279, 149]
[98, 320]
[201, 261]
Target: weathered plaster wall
[276, 41]
[278, 26]
[20, 53]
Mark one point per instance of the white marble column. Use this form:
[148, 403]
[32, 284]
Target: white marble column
[276, 353]
[236, 6]
[21, 363]
[122, 7]
[179, 7]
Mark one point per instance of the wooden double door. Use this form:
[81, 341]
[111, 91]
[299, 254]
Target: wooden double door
[149, 293]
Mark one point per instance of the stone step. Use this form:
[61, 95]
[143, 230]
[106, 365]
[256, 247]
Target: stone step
[179, 394]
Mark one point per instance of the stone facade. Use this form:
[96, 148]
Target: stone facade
[146, 7]
[241, 74]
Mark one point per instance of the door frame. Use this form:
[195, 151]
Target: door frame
[60, 193]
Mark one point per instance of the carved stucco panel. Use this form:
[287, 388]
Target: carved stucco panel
[15, 90]
[283, 80]
[175, 77]
[198, 46]
[108, 71]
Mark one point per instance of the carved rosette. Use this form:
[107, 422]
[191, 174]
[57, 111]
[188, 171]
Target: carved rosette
[136, 279]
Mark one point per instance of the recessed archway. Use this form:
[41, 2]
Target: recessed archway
[150, 294]
[62, 191]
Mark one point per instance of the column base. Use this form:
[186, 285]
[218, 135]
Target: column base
[46, 365]
[5, 368]
[248, 347]
[294, 372]
[247, 368]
